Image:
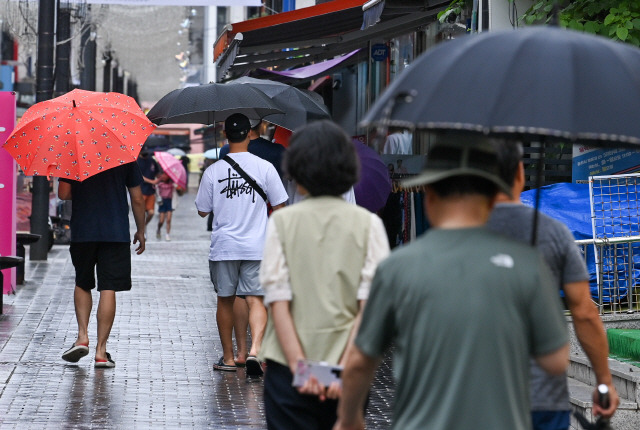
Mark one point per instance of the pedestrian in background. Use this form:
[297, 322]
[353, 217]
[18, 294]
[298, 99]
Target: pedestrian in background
[319, 258]
[150, 170]
[464, 307]
[271, 152]
[100, 242]
[165, 210]
[550, 409]
[236, 190]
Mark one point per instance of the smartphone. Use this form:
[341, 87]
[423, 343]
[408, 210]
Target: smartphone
[324, 372]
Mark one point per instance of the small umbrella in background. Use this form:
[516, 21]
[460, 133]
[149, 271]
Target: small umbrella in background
[172, 167]
[374, 186]
[212, 154]
[79, 134]
[177, 152]
[211, 103]
[299, 107]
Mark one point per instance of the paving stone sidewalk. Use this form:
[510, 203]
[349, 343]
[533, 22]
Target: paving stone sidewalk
[164, 342]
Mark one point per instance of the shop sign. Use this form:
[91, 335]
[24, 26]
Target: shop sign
[590, 161]
[379, 52]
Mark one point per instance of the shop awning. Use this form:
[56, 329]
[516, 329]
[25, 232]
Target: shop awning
[317, 33]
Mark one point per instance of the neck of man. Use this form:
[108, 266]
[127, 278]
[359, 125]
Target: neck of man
[456, 212]
[239, 146]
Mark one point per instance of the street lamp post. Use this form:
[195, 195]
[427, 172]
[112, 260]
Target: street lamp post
[44, 91]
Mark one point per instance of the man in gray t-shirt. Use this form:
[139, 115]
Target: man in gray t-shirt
[465, 308]
[549, 394]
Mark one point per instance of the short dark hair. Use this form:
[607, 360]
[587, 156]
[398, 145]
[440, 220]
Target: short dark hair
[509, 157]
[322, 159]
[464, 185]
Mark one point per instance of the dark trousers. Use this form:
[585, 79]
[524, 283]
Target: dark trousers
[286, 409]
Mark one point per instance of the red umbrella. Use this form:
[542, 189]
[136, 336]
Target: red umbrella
[79, 134]
[172, 167]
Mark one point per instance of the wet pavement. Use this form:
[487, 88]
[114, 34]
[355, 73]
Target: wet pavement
[164, 342]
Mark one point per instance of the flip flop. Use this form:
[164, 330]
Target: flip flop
[75, 353]
[105, 364]
[254, 367]
[220, 365]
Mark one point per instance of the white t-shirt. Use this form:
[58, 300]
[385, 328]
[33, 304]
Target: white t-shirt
[239, 213]
[398, 143]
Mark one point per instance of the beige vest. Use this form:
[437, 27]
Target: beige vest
[325, 242]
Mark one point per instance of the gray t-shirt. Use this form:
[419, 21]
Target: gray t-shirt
[465, 309]
[557, 245]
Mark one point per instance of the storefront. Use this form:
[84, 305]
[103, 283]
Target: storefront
[348, 51]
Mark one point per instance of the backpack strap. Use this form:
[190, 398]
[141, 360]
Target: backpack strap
[246, 177]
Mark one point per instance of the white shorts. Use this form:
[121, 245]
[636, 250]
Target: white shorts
[236, 277]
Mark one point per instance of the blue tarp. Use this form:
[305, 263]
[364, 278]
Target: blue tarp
[569, 203]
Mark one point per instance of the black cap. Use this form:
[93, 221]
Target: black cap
[237, 127]
[460, 156]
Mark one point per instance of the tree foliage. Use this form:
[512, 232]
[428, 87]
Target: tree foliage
[616, 19]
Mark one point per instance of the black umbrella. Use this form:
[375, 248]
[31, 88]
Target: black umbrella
[531, 83]
[537, 83]
[210, 103]
[299, 106]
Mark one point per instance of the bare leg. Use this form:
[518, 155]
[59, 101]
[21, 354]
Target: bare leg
[160, 221]
[149, 217]
[169, 221]
[240, 326]
[257, 322]
[224, 318]
[106, 315]
[83, 304]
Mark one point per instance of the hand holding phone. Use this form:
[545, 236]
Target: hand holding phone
[324, 372]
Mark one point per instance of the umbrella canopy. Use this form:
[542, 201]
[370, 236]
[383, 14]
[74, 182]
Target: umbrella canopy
[532, 82]
[172, 167]
[212, 154]
[176, 151]
[374, 186]
[299, 107]
[79, 134]
[210, 103]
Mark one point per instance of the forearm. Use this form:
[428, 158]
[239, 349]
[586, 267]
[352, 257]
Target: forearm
[593, 339]
[356, 380]
[137, 207]
[286, 333]
[589, 328]
[352, 333]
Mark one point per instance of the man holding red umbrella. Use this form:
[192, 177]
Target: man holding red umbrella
[100, 239]
[91, 141]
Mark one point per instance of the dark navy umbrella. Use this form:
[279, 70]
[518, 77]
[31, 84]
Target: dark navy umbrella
[210, 103]
[528, 83]
[299, 106]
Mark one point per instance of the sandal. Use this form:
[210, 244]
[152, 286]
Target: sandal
[102, 363]
[75, 353]
[254, 367]
[220, 365]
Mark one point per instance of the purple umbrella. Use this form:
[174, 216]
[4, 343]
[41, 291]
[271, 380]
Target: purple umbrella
[374, 186]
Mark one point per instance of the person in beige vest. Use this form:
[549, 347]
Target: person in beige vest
[319, 259]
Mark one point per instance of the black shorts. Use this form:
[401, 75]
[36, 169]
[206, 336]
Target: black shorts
[111, 261]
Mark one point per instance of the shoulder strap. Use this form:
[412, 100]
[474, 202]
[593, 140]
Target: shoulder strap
[246, 177]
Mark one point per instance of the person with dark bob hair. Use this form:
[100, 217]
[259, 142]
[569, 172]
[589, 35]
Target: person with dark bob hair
[319, 259]
[322, 159]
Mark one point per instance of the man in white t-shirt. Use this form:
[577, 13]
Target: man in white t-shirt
[237, 239]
